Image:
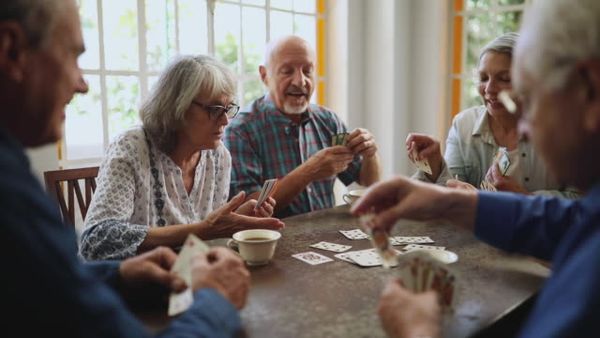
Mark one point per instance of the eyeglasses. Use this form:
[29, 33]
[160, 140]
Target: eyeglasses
[215, 111]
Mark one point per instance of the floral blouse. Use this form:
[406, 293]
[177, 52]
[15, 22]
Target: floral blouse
[130, 199]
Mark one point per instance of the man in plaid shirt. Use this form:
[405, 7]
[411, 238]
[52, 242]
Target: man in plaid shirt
[281, 135]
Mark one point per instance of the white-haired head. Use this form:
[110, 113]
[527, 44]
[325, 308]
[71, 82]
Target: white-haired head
[35, 16]
[555, 35]
[504, 44]
[163, 112]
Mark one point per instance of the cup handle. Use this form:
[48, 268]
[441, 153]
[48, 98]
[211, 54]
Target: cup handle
[233, 245]
[346, 199]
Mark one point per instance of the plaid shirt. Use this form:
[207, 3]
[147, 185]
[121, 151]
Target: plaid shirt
[266, 144]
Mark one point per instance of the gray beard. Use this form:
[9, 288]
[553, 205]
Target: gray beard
[294, 110]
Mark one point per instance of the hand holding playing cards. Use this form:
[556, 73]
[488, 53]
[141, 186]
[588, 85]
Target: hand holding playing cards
[224, 222]
[424, 147]
[327, 162]
[265, 210]
[503, 183]
[405, 314]
[223, 271]
[404, 198]
[361, 142]
[151, 267]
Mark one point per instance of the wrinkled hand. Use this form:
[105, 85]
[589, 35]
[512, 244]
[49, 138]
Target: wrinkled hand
[404, 314]
[223, 271]
[266, 210]
[224, 222]
[457, 184]
[503, 183]
[152, 267]
[401, 197]
[328, 162]
[361, 142]
[428, 149]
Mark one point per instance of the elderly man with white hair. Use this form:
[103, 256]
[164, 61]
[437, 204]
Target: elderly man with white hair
[557, 79]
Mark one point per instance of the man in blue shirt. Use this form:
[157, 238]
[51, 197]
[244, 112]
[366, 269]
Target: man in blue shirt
[556, 76]
[45, 288]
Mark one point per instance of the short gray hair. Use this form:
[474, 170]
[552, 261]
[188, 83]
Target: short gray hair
[163, 112]
[36, 16]
[556, 35]
[504, 44]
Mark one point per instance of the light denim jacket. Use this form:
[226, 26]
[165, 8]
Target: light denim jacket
[470, 151]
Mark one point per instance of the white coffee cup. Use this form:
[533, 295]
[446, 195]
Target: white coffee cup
[353, 195]
[256, 246]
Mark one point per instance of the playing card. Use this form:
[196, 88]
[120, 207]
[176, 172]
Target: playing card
[423, 247]
[418, 272]
[365, 258]
[312, 258]
[381, 242]
[179, 302]
[339, 139]
[422, 165]
[503, 161]
[344, 257]
[331, 246]
[354, 234]
[268, 189]
[401, 240]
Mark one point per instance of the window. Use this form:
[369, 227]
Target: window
[129, 42]
[474, 24]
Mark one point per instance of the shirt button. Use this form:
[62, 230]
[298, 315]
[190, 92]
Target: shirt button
[523, 154]
[526, 179]
[309, 190]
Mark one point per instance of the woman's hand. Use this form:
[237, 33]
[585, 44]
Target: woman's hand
[426, 148]
[265, 210]
[503, 183]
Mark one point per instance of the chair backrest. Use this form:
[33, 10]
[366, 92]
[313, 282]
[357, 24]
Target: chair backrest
[55, 186]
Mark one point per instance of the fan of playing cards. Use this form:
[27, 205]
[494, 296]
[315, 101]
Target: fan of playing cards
[420, 273]
[268, 189]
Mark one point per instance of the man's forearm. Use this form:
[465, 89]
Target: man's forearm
[370, 171]
[290, 186]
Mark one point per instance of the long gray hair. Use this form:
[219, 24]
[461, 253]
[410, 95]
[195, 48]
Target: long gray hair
[36, 16]
[163, 112]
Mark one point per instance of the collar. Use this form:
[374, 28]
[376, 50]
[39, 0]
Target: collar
[482, 126]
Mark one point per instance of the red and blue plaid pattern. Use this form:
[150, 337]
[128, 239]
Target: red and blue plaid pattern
[266, 144]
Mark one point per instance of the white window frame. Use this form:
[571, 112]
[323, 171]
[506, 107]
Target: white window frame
[143, 74]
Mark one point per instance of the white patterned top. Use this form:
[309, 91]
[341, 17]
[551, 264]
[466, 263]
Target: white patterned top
[123, 207]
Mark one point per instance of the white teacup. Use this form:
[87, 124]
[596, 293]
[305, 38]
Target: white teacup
[256, 246]
[353, 195]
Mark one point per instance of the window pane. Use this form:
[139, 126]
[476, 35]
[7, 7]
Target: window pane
[227, 34]
[511, 2]
[120, 34]
[123, 101]
[254, 36]
[89, 26]
[254, 2]
[160, 33]
[305, 6]
[281, 4]
[282, 23]
[479, 3]
[480, 32]
[83, 131]
[193, 31]
[509, 22]
[305, 26]
[253, 89]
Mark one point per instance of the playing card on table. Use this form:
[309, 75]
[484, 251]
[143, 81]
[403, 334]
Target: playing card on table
[423, 247]
[419, 272]
[312, 258]
[179, 302]
[354, 234]
[422, 165]
[365, 258]
[344, 256]
[331, 246]
[401, 240]
[268, 189]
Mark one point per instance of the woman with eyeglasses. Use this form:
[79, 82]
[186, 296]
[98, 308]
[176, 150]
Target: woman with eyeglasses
[169, 178]
[484, 148]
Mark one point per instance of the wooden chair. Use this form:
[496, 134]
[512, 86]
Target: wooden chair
[54, 186]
